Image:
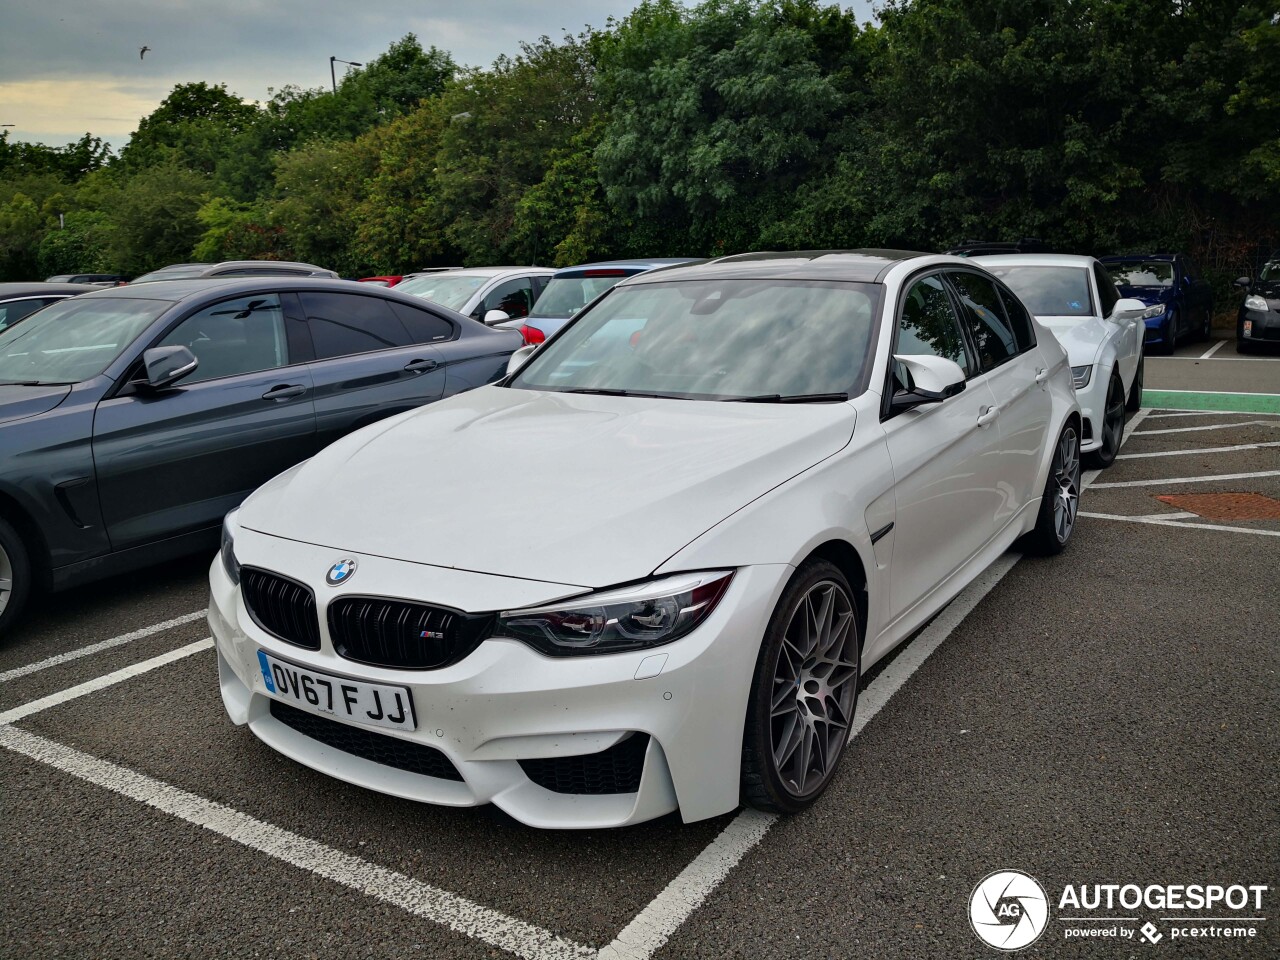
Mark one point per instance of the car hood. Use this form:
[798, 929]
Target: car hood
[565, 488]
[1148, 295]
[17, 402]
[1081, 337]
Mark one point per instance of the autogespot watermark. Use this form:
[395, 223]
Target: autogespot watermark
[1010, 910]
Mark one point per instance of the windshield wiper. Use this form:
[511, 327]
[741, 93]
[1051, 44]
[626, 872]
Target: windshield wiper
[611, 392]
[30, 383]
[792, 398]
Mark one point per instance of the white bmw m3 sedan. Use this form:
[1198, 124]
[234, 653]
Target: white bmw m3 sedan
[757, 476]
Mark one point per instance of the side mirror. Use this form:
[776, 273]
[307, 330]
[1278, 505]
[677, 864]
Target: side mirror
[496, 316]
[517, 359]
[165, 366]
[933, 379]
[1242, 282]
[1128, 305]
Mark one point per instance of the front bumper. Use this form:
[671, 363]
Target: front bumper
[1259, 326]
[1157, 327]
[506, 703]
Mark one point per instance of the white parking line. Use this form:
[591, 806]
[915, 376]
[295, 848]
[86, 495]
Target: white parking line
[1212, 350]
[101, 683]
[1166, 521]
[455, 912]
[1220, 359]
[100, 646]
[1212, 426]
[1183, 453]
[1211, 413]
[1210, 477]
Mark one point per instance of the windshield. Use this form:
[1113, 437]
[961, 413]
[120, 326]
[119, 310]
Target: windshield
[565, 296]
[74, 339]
[1049, 291]
[715, 340]
[450, 290]
[1142, 273]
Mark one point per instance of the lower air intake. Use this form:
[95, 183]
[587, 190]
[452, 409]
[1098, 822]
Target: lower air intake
[616, 770]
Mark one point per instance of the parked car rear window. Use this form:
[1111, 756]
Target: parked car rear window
[343, 324]
[73, 340]
[565, 296]
[1142, 273]
[451, 289]
[1049, 291]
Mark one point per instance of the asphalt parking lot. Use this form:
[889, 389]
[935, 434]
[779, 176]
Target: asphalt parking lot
[1108, 716]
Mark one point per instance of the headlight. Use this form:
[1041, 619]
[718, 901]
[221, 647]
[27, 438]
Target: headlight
[1255, 303]
[630, 618]
[228, 550]
[1152, 312]
[1081, 376]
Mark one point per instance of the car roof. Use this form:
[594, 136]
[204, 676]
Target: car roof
[1139, 256]
[866, 266]
[634, 265]
[36, 288]
[1036, 260]
[176, 291]
[480, 272]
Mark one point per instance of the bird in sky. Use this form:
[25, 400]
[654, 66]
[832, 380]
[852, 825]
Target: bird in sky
[143, 53]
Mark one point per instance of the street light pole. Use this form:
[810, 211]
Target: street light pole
[333, 77]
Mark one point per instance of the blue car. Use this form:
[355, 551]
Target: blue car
[572, 288]
[1179, 300]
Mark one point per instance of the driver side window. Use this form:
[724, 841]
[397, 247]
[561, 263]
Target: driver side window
[232, 337]
[927, 326]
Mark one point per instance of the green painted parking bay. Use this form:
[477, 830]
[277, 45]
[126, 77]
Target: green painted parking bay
[1196, 400]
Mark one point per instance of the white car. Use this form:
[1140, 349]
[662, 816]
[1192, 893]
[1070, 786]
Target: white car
[481, 293]
[1103, 334]
[770, 471]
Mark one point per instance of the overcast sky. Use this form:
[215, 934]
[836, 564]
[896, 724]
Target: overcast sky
[68, 67]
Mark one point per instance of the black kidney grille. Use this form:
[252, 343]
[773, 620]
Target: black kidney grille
[616, 770]
[388, 751]
[402, 635]
[282, 607]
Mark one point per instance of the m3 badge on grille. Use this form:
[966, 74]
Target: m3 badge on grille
[340, 572]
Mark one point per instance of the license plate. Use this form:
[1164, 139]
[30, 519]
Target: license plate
[370, 704]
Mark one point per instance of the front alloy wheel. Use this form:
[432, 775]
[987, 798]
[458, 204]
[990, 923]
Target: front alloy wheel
[804, 692]
[15, 575]
[1112, 424]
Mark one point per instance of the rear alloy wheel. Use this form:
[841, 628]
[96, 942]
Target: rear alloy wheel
[1061, 500]
[1134, 403]
[1112, 425]
[15, 576]
[804, 692]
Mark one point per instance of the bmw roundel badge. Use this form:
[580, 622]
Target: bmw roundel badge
[340, 572]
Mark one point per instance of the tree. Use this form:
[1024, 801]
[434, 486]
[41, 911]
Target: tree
[193, 127]
[155, 216]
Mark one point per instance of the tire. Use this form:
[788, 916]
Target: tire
[1112, 426]
[798, 719]
[1171, 334]
[1206, 330]
[1134, 402]
[15, 576]
[1056, 520]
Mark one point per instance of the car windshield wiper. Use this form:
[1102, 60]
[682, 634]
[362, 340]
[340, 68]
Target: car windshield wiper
[791, 398]
[30, 383]
[611, 392]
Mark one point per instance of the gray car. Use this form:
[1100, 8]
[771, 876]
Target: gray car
[133, 418]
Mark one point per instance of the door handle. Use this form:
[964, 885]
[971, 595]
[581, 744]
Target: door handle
[421, 366]
[987, 415]
[1042, 375]
[285, 391]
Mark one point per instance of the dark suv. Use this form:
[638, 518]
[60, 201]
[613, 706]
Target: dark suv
[1179, 299]
[133, 418]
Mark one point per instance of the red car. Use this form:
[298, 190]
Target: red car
[382, 281]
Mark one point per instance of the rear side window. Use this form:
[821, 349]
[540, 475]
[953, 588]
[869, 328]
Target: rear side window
[344, 324]
[984, 315]
[928, 326]
[233, 337]
[1019, 319]
[15, 310]
[513, 297]
[423, 325]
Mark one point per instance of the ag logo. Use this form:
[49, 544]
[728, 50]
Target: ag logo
[1008, 910]
[340, 572]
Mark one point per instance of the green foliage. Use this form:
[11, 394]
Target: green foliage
[238, 231]
[192, 127]
[82, 245]
[155, 216]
